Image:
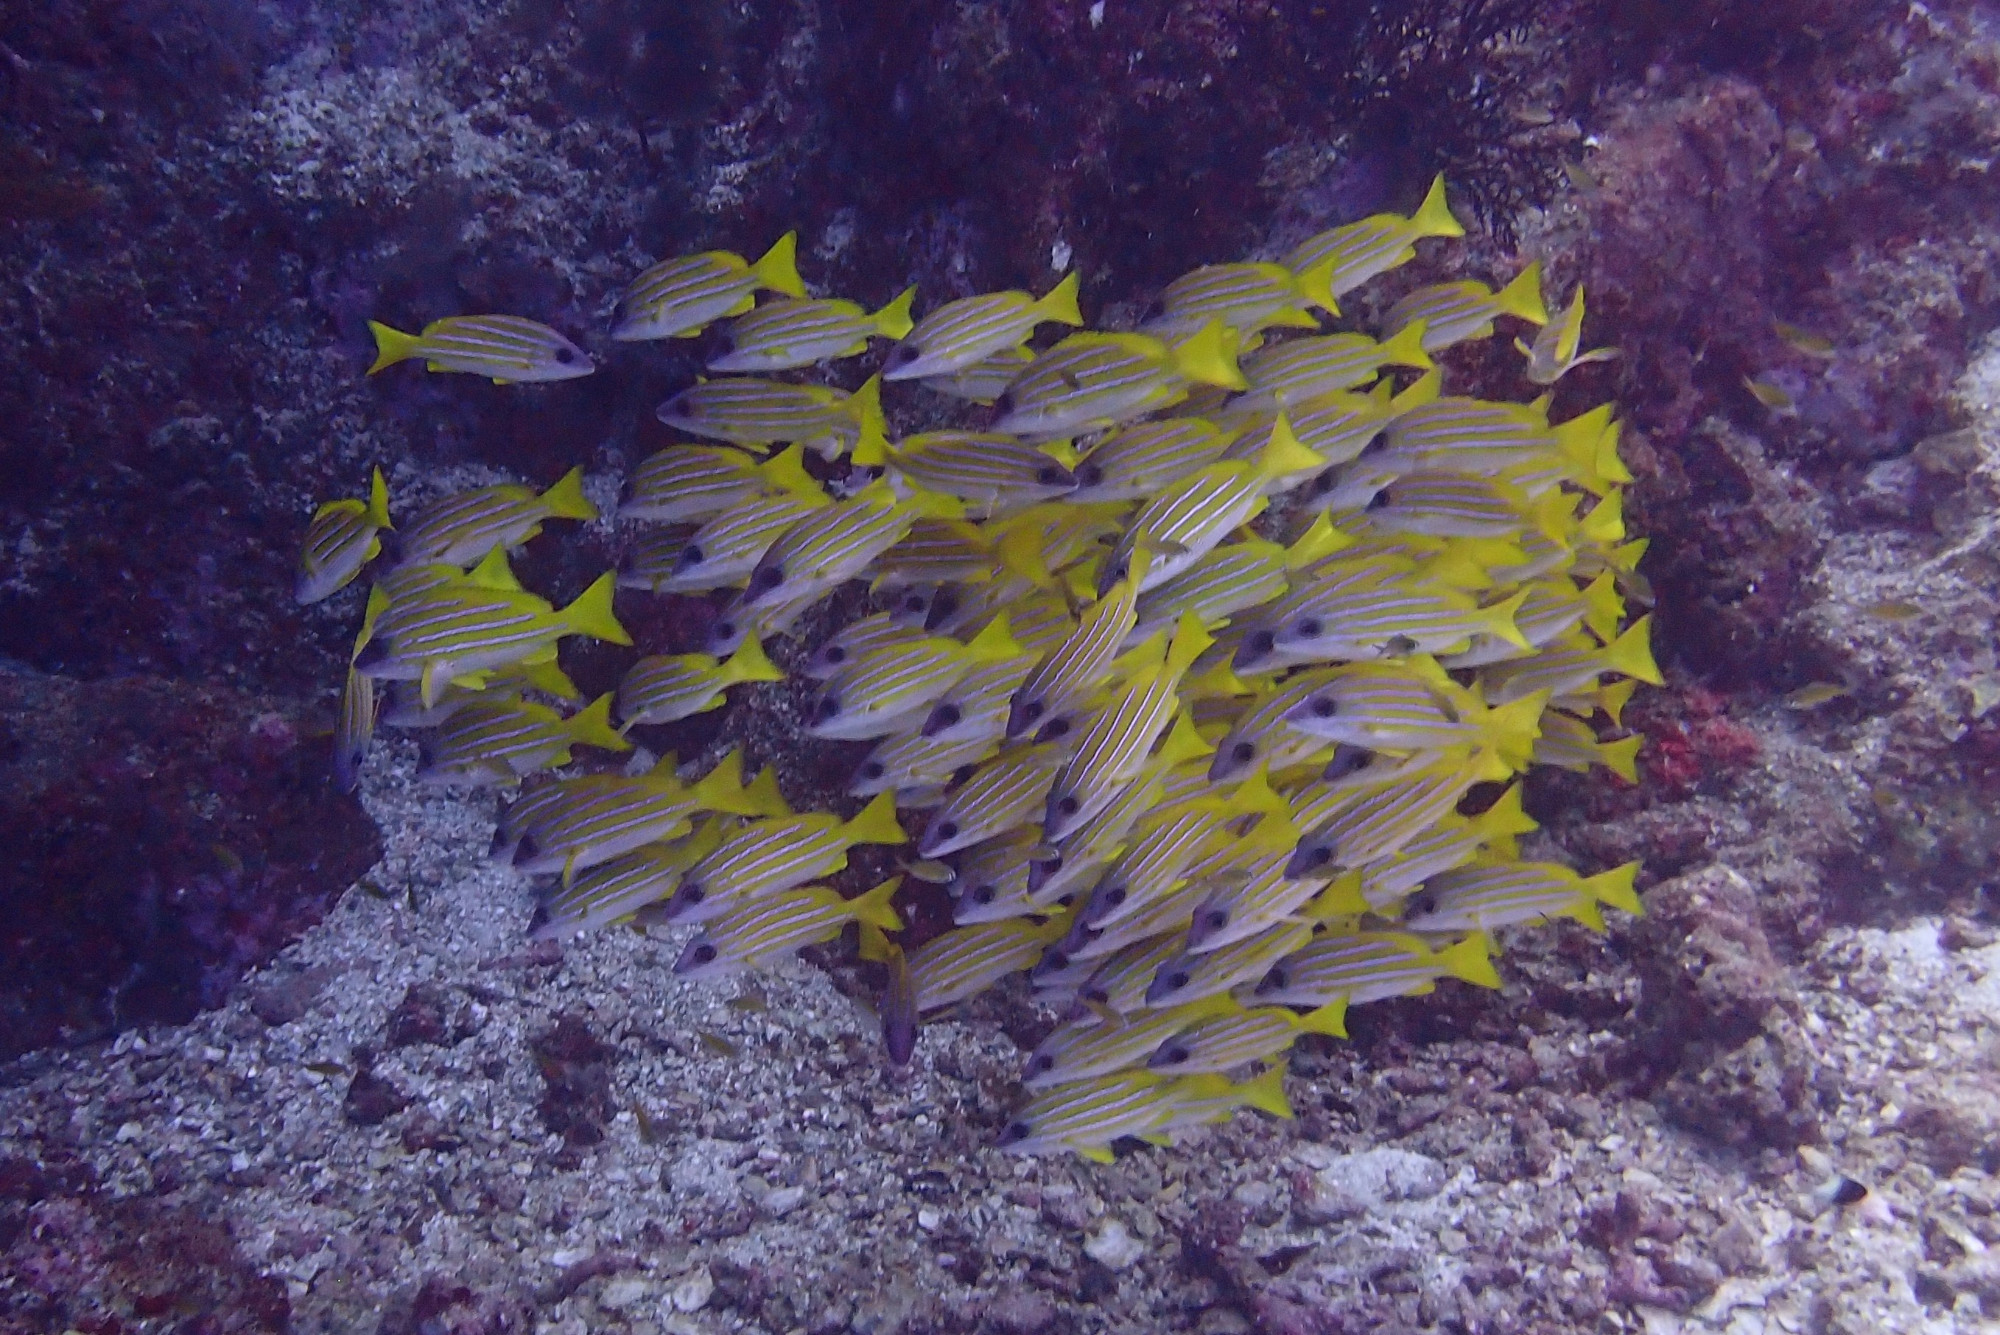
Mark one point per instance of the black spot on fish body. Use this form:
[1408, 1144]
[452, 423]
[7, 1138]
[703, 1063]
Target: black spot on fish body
[690, 557]
[1173, 1054]
[902, 355]
[1309, 628]
[1089, 475]
[1277, 980]
[944, 716]
[527, 850]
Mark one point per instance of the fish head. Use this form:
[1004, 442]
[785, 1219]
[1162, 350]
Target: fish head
[912, 605]
[565, 360]
[700, 959]
[675, 411]
[1109, 896]
[939, 834]
[1209, 920]
[896, 366]
[1173, 977]
[766, 579]
[1061, 817]
[1313, 855]
[1347, 760]
[1277, 980]
[1023, 713]
[946, 715]
[1232, 760]
[1301, 629]
[1322, 706]
[1257, 648]
[726, 636]
[1037, 1067]
[1169, 1055]
[828, 708]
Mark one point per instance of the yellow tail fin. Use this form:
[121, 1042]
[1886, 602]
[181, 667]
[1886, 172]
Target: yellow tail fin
[1470, 960]
[1622, 757]
[378, 501]
[872, 909]
[565, 500]
[1284, 455]
[785, 471]
[1614, 887]
[1405, 347]
[392, 346]
[749, 663]
[1059, 303]
[1498, 621]
[1330, 1019]
[875, 823]
[1182, 745]
[1266, 1093]
[865, 407]
[1208, 357]
[778, 269]
[1523, 296]
[1631, 655]
[1433, 216]
[1316, 285]
[893, 320]
[1426, 389]
[591, 726]
[591, 613]
[1504, 817]
[994, 643]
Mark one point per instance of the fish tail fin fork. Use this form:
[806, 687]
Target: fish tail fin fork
[565, 500]
[1405, 347]
[591, 726]
[391, 346]
[1330, 1019]
[750, 663]
[1615, 888]
[1058, 304]
[893, 320]
[1523, 296]
[778, 268]
[1433, 216]
[1266, 1093]
[1471, 960]
[876, 823]
[1631, 654]
[591, 613]
[872, 908]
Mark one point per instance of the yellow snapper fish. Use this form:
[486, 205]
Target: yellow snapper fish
[461, 529]
[498, 743]
[1005, 792]
[976, 705]
[771, 412]
[758, 932]
[914, 764]
[1413, 705]
[1089, 382]
[1360, 967]
[785, 335]
[1235, 1038]
[1567, 742]
[678, 298]
[1376, 244]
[1305, 368]
[1377, 823]
[1136, 461]
[1454, 312]
[987, 468]
[1483, 897]
[355, 729]
[771, 856]
[1452, 842]
[1064, 679]
[1194, 975]
[692, 483]
[1086, 1117]
[588, 820]
[1246, 296]
[879, 692]
[962, 334]
[1191, 518]
[505, 348]
[1558, 347]
[878, 631]
[1095, 1045]
[1570, 665]
[985, 380]
[343, 537]
[539, 672]
[449, 632]
[965, 961]
[724, 550]
[1470, 436]
[666, 688]
[622, 886]
[1112, 750]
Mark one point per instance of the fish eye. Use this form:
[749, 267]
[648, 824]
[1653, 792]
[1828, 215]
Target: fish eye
[944, 716]
[835, 654]
[914, 603]
[1317, 855]
[1310, 627]
[1178, 979]
[1040, 1062]
[1263, 642]
[1322, 484]
[828, 707]
[725, 630]
[1115, 897]
[1050, 476]
[983, 894]
[1173, 1055]
[1015, 1133]
[902, 355]
[766, 579]
[1033, 710]
[1067, 805]
[947, 829]
[1215, 919]
[873, 769]
[1325, 706]
[1243, 753]
[690, 556]
[1057, 727]
[693, 894]
[527, 850]
[1276, 981]
[1420, 904]
[1089, 475]
[1005, 403]
[565, 356]
[1379, 501]
[703, 953]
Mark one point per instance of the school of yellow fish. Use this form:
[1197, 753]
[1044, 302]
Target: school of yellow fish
[1203, 677]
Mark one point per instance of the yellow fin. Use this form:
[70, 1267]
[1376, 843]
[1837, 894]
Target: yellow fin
[778, 269]
[1631, 654]
[786, 472]
[1614, 887]
[994, 643]
[893, 320]
[875, 823]
[1424, 390]
[1433, 216]
[1405, 347]
[1283, 454]
[392, 346]
[1622, 757]
[1266, 1093]
[1208, 357]
[1316, 286]
[1330, 1019]
[1183, 744]
[565, 500]
[378, 500]
[1059, 303]
[591, 613]
[1470, 960]
[1523, 296]
[1504, 817]
[591, 726]
[748, 663]
[871, 908]
[864, 405]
